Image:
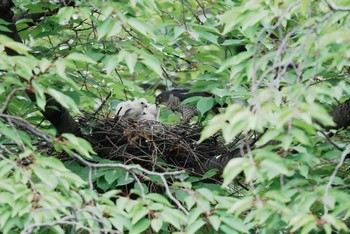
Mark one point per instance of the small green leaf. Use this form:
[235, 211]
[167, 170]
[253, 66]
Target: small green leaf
[236, 224]
[63, 99]
[16, 46]
[65, 14]
[4, 29]
[51, 162]
[112, 175]
[131, 60]
[141, 26]
[205, 104]
[274, 167]
[140, 226]
[139, 213]
[45, 175]
[105, 28]
[156, 224]
[80, 144]
[78, 57]
[304, 171]
[158, 198]
[195, 226]
[215, 221]
[233, 168]
[39, 95]
[153, 63]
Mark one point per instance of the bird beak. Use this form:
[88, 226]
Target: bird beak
[157, 102]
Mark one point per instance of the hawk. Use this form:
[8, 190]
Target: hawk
[173, 100]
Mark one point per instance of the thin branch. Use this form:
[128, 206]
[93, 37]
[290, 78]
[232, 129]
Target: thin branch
[21, 123]
[8, 99]
[331, 179]
[332, 142]
[334, 7]
[103, 103]
[168, 192]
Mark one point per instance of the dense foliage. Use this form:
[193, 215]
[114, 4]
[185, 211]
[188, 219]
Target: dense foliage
[282, 67]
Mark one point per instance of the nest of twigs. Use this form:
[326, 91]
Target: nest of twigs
[156, 146]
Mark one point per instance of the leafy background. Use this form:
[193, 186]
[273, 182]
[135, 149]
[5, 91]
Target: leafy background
[282, 66]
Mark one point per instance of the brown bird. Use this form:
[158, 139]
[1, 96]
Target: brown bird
[172, 99]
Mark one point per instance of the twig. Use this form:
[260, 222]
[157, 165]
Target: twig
[333, 7]
[8, 99]
[21, 123]
[332, 142]
[331, 179]
[103, 103]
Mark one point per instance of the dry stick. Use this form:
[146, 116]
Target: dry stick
[103, 103]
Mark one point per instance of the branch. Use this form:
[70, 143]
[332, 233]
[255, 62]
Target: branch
[331, 179]
[333, 7]
[133, 169]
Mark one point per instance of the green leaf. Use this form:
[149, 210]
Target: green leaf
[16, 46]
[5, 29]
[300, 221]
[195, 226]
[112, 175]
[205, 104]
[158, 198]
[131, 60]
[241, 205]
[141, 26]
[233, 168]
[51, 162]
[80, 144]
[215, 124]
[215, 221]
[78, 57]
[206, 193]
[108, 28]
[305, 6]
[45, 175]
[65, 14]
[63, 99]
[236, 224]
[39, 95]
[138, 214]
[156, 224]
[140, 226]
[153, 63]
[304, 171]
[274, 167]
[235, 60]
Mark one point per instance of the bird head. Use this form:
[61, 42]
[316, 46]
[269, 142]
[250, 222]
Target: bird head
[162, 98]
[142, 102]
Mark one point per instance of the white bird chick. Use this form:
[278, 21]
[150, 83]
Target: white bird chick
[147, 115]
[122, 107]
[153, 110]
[141, 102]
[132, 109]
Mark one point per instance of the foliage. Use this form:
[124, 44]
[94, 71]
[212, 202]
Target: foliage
[280, 65]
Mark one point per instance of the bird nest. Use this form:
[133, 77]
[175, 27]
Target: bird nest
[156, 146]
